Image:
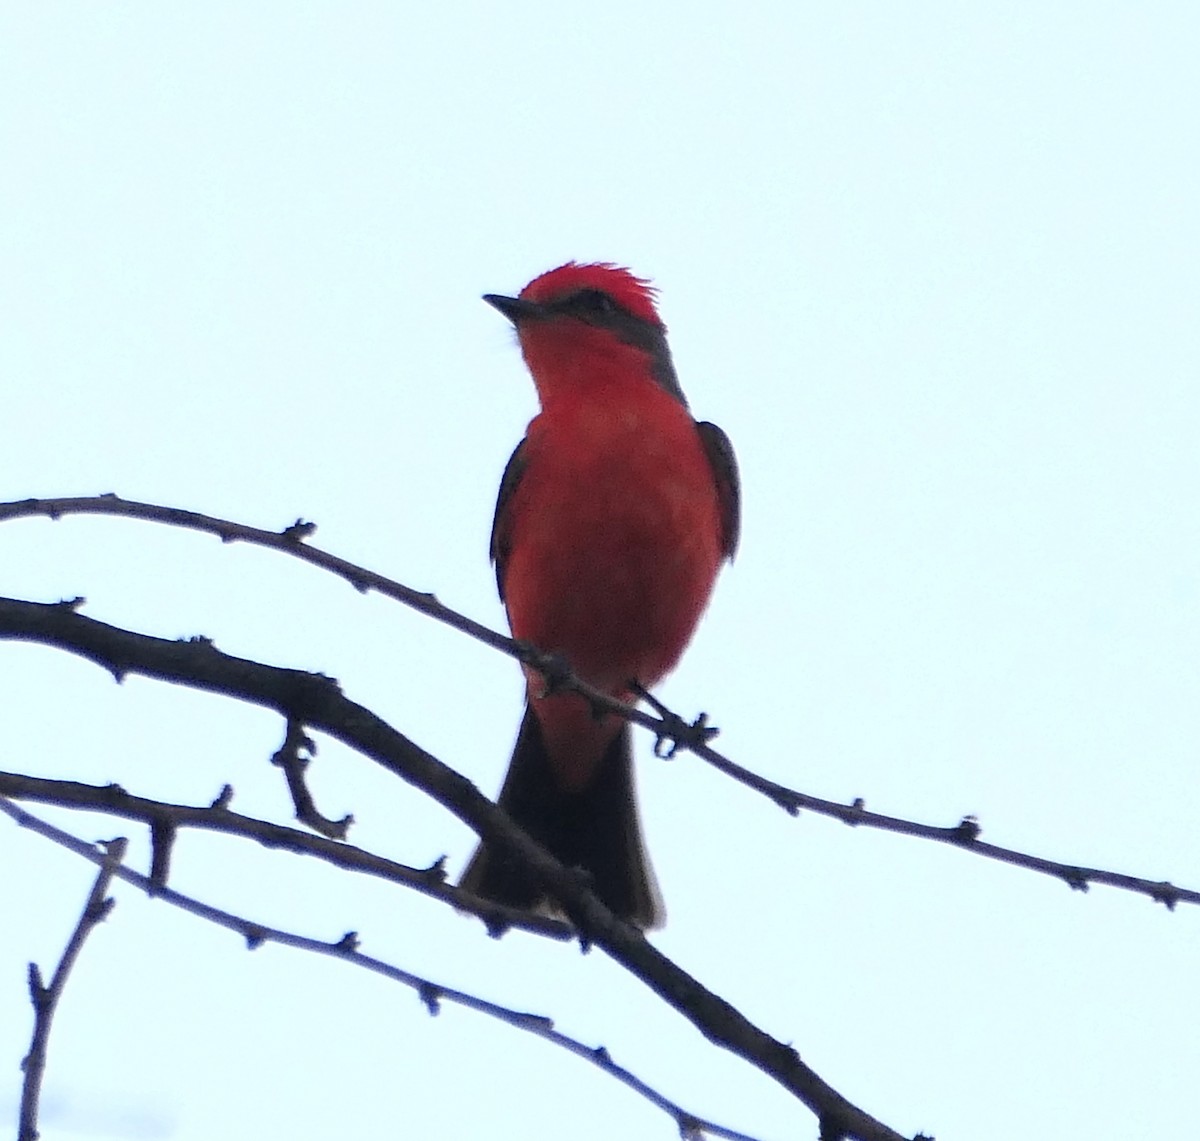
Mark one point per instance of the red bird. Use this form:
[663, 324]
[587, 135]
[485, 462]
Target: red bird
[614, 516]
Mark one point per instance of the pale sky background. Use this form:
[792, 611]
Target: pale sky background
[936, 270]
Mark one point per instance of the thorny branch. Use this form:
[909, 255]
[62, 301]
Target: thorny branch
[45, 999]
[346, 949]
[292, 541]
[169, 819]
[317, 702]
[669, 728]
[838, 1119]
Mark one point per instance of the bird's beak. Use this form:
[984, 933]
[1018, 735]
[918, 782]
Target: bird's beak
[516, 309]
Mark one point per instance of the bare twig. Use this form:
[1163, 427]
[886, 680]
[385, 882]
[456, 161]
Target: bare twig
[45, 999]
[294, 756]
[169, 819]
[290, 541]
[317, 702]
[346, 949]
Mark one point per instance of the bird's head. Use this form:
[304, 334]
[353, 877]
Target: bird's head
[592, 323]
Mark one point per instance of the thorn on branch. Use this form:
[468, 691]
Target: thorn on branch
[791, 802]
[436, 872]
[431, 996]
[297, 748]
[966, 831]
[115, 849]
[255, 937]
[1075, 879]
[497, 926]
[832, 1129]
[348, 943]
[854, 811]
[71, 604]
[337, 829]
[224, 797]
[200, 640]
[1165, 893]
[601, 1054]
[299, 531]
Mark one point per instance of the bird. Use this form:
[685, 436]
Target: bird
[615, 513]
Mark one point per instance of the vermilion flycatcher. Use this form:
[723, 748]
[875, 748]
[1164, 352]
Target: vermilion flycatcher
[614, 516]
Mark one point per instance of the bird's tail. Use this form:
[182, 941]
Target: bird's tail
[595, 828]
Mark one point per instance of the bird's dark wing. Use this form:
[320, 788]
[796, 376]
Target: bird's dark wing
[724, 465]
[513, 471]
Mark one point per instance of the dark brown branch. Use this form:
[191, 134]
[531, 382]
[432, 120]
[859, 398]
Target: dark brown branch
[291, 541]
[317, 702]
[668, 728]
[167, 819]
[965, 836]
[45, 999]
[346, 949]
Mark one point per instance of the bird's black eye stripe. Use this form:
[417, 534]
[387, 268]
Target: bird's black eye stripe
[592, 302]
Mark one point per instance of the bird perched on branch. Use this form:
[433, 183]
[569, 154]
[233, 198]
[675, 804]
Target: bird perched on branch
[615, 513]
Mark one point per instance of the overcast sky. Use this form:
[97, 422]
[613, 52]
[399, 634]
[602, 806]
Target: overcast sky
[935, 268]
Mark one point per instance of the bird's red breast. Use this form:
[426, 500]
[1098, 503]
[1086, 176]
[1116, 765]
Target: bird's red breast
[615, 544]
